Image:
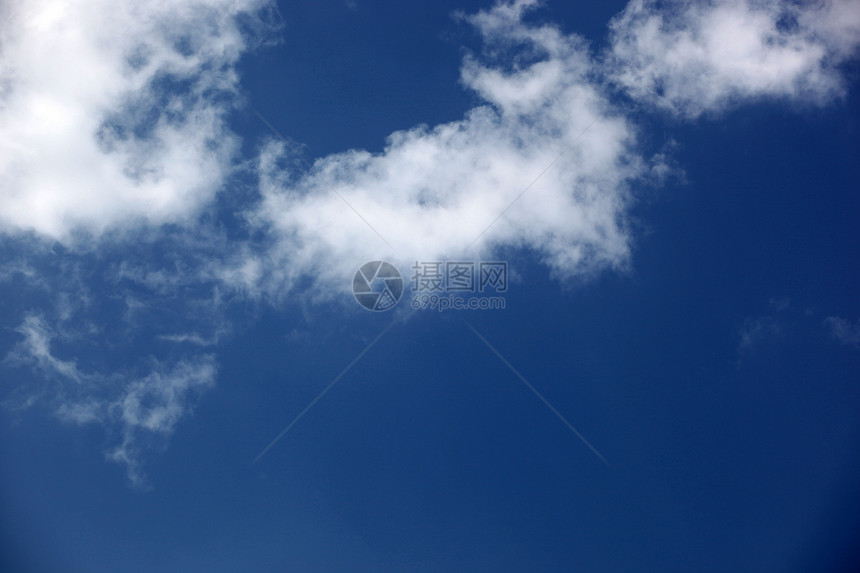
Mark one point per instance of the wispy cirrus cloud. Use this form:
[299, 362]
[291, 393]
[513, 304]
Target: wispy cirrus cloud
[781, 321]
[757, 330]
[36, 349]
[843, 330]
[139, 412]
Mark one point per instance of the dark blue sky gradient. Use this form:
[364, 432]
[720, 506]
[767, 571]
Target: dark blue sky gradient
[430, 454]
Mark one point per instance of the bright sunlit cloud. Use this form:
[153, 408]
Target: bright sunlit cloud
[691, 58]
[114, 113]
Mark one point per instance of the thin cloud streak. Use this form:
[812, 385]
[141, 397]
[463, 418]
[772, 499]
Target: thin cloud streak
[143, 410]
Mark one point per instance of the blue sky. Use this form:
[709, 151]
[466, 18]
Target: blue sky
[188, 188]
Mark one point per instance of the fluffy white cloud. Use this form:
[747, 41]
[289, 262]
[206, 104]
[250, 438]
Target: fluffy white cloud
[113, 112]
[692, 57]
[433, 192]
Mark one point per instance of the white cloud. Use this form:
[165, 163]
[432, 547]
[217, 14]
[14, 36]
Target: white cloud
[757, 330]
[113, 112]
[10, 270]
[36, 348]
[843, 331]
[691, 58]
[432, 191]
[142, 411]
[760, 330]
[191, 338]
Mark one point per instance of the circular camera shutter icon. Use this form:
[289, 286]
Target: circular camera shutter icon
[377, 285]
